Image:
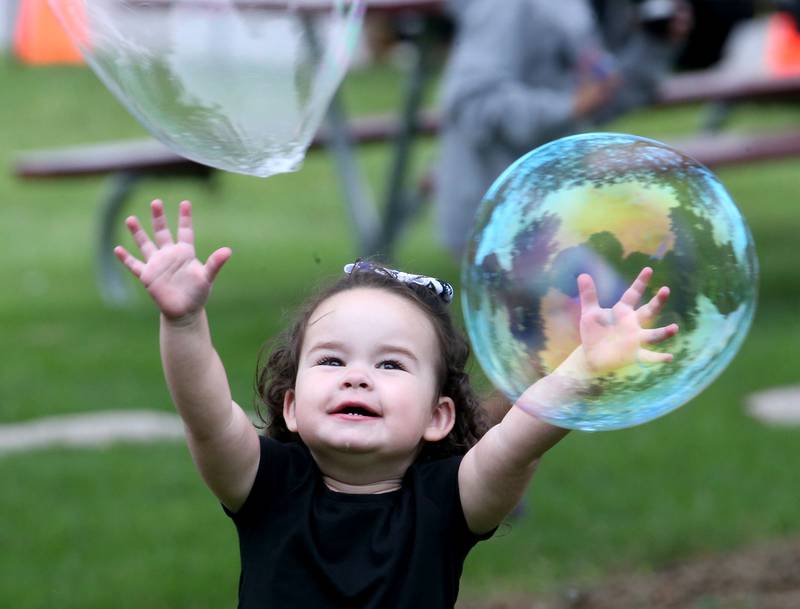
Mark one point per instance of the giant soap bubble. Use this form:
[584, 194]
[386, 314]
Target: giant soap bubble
[241, 86]
[607, 205]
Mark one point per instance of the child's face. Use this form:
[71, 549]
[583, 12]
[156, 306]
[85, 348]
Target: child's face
[366, 380]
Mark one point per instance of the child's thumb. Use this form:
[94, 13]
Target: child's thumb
[216, 261]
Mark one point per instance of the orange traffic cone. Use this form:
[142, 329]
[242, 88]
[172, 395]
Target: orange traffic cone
[40, 39]
[783, 46]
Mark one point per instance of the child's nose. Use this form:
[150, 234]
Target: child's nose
[356, 378]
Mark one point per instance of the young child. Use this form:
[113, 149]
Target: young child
[375, 478]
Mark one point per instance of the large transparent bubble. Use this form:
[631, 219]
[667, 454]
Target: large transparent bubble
[607, 205]
[241, 86]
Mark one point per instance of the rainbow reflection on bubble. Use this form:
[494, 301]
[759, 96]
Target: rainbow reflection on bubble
[607, 205]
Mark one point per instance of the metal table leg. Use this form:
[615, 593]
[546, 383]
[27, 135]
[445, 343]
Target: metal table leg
[111, 280]
[716, 115]
[360, 205]
[378, 233]
[402, 204]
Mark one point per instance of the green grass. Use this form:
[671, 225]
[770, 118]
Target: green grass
[133, 526]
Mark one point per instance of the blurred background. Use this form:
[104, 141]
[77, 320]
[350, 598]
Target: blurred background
[130, 524]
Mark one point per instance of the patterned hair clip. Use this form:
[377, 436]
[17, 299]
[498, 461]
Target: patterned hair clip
[441, 288]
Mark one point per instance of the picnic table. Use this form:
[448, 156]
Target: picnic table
[129, 162]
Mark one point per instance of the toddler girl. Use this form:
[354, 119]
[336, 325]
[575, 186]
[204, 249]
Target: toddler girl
[375, 478]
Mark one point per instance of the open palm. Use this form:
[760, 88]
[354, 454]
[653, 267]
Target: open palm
[615, 337]
[177, 281]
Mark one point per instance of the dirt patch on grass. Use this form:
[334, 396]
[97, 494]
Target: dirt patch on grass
[762, 577]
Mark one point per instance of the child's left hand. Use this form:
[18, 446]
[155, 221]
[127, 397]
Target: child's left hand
[614, 338]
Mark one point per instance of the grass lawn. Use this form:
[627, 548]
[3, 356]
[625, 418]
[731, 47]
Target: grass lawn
[133, 526]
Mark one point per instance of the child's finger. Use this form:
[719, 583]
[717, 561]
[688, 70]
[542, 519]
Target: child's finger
[161, 232]
[134, 265]
[651, 310]
[587, 292]
[634, 294]
[658, 335]
[146, 247]
[216, 261]
[654, 357]
[185, 230]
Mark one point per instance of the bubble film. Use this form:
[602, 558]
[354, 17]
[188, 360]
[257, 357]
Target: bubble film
[607, 205]
[240, 86]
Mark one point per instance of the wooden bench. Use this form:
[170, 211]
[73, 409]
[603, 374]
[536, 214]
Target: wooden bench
[152, 158]
[728, 149]
[722, 91]
[705, 86]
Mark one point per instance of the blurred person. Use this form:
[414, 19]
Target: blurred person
[524, 72]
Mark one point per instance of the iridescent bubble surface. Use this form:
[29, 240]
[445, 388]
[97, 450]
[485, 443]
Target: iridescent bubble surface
[242, 86]
[607, 205]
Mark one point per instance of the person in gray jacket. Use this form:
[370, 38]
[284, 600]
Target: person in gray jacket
[524, 72]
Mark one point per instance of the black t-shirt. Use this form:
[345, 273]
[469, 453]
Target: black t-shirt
[304, 546]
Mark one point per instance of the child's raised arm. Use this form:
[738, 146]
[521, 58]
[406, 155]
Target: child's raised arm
[495, 473]
[223, 442]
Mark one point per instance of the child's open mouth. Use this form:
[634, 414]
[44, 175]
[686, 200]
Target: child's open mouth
[352, 410]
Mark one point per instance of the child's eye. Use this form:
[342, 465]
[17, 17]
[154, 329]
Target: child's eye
[329, 360]
[391, 364]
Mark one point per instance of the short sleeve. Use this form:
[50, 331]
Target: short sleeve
[438, 481]
[282, 468]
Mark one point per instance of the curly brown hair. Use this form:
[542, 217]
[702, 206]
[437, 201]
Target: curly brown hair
[278, 363]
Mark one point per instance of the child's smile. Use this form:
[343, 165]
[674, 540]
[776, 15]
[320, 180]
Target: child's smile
[351, 410]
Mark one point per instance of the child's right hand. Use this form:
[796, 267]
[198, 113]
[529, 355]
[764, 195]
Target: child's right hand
[177, 281]
[615, 337]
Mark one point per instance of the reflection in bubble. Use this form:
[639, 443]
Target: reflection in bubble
[607, 205]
